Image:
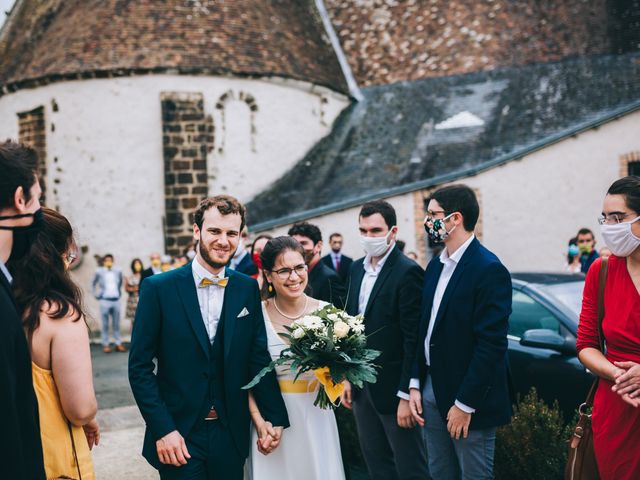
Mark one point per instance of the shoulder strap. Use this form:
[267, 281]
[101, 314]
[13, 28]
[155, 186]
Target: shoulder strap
[602, 281]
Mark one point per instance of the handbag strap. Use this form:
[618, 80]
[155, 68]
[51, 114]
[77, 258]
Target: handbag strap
[602, 281]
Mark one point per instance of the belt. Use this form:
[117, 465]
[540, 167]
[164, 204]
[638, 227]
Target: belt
[212, 415]
[298, 386]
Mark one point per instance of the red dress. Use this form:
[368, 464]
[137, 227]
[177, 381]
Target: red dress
[616, 424]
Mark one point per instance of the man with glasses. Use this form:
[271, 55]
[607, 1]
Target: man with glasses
[459, 388]
[587, 248]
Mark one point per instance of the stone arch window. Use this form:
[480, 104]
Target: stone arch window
[252, 105]
[630, 164]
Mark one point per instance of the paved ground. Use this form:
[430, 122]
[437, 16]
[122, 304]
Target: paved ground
[118, 455]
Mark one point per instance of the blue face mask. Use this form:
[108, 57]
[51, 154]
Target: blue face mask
[573, 250]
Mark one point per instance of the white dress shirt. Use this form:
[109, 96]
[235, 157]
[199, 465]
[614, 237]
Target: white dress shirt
[111, 278]
[450, 262]
[210, 298]
[369, 279]
[3, 270]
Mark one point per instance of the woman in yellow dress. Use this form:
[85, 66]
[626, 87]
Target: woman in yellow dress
[59, 342]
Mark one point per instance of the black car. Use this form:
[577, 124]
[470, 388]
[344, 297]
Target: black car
[542, 338]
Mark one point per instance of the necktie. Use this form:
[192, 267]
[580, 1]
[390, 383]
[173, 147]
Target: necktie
[337, 263]
[220, 282]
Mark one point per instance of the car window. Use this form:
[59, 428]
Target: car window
[528, 314]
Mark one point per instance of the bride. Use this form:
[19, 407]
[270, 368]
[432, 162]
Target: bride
[310, 448]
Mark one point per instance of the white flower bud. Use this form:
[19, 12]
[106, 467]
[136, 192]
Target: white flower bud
[341, 329]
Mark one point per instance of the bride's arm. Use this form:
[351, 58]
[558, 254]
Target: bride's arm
[268, 437]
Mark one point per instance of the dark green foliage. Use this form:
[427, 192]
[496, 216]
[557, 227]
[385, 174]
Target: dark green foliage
[534, 445]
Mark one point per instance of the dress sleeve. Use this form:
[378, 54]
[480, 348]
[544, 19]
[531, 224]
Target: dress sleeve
[588, 326]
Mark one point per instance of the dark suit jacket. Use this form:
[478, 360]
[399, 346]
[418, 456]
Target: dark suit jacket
[20, 446]
[146, 273]
[468, 347]
[169, 327]
[391, 320]
[247, 266]
[345, 265]
[325, 284]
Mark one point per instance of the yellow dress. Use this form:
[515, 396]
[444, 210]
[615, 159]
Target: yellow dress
[57, 448]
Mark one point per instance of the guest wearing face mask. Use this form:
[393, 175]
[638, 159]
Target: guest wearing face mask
[20, 222]
[616, 406]
[256, 250]
[242, 261]
[107, 288]
[336, 259]
[587, 246]
[324, 283]
[155, 268]
[573, 264]
[132, 287]
[385, 287]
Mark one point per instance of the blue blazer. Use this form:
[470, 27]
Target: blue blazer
[468, 347]
[169, 327]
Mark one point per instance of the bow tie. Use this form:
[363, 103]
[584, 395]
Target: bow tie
[220, 282]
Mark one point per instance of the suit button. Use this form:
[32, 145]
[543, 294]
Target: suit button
[432, 345]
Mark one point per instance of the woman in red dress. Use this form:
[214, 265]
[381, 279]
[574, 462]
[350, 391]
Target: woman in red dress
[616, 409]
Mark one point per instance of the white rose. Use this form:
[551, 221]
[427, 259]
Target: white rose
[298, 333]
[341, 329]
[333, 317]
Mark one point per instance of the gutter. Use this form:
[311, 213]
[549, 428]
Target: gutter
[449, 177]
[354, 90]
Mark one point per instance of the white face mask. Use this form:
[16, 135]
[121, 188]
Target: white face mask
[375, 246]
[619, 238]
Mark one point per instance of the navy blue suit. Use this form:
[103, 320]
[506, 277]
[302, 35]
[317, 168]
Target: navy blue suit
[191, 373]
[468, 346]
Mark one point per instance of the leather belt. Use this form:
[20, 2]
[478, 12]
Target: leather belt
[212, 415]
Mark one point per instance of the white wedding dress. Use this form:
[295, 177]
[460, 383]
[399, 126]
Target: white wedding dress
[310, 447]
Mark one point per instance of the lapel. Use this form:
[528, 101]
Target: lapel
[230, 305]
[353, 293]
[189, 297]
[382, 277]
[453, 282]
[5, 284]
[432, 276]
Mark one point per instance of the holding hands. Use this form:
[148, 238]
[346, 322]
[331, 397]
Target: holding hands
[627, 382]
[268, 437]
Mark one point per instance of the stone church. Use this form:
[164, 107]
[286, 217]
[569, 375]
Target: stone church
[306, 108]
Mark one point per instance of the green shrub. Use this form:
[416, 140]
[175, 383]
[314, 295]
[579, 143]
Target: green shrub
[534, 445]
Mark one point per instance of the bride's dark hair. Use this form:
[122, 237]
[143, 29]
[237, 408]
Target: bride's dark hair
[41, 279]
[272, 250]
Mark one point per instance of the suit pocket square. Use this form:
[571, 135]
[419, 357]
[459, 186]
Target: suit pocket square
[243, 313]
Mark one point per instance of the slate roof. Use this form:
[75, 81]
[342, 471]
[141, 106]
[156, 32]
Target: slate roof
[49, 40]
[392, 142]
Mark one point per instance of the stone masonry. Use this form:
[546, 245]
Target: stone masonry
[187, 137]
[32, 132]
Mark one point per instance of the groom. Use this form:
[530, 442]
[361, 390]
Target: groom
[203, 325]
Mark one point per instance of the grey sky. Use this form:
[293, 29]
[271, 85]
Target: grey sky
[5, 6]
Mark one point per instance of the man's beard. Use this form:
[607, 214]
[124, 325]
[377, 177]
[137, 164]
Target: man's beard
[207, 258]
[335, 250]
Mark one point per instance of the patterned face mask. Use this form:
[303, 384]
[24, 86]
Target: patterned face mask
[436, 230]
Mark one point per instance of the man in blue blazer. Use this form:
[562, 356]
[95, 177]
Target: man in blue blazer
[203, 325]
[459, 390]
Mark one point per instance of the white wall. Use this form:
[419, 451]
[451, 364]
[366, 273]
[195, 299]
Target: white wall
[107, 139]
[530, 207]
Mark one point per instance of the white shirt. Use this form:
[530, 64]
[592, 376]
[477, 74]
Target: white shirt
[210, 298]
[6, 273]
[111, 278]
[369, 279]
[450, 263]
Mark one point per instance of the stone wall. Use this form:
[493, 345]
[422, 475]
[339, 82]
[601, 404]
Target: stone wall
[187, 138]
[32, 132]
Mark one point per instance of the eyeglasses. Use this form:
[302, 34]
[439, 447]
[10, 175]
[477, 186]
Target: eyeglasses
[285, 273]
[613, 218]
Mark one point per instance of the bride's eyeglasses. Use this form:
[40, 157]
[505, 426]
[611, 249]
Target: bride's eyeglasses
[285, 273]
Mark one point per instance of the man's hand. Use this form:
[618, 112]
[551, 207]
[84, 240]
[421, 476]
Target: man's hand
[172, 450]
[458, 423]
[345, 397]
[627, 380]
[268, 437]
[415, 404]
[405, 419]
[92, 432]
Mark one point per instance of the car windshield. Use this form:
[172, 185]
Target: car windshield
[568, 294]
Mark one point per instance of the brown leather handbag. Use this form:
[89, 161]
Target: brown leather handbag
[581, 461]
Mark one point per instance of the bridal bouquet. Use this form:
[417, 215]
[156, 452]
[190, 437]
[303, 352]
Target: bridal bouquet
[332, 344]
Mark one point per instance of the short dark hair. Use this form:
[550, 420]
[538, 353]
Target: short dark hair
[272, 250]
[401, 244]
[459, 198]
[333, 235]
[383, 208]
[308, 230]
[630, 188]
[108, 255]
[19, 166]
[584, 231]
[226, 205]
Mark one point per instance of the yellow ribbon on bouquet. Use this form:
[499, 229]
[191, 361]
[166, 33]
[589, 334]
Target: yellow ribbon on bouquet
[333, 390]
